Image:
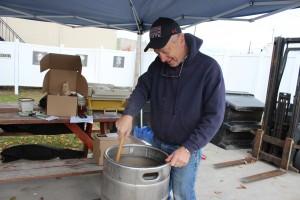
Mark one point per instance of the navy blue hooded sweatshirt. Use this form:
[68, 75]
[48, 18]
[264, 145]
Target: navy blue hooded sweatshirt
[187, 110]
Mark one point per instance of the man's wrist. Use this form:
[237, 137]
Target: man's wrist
[187, 150]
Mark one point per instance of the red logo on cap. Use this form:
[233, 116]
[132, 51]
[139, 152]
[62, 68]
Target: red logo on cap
[174, 31]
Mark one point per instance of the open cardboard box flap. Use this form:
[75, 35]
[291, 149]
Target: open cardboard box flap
[61, 61]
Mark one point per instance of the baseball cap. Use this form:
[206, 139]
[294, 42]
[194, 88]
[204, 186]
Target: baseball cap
[161, 31]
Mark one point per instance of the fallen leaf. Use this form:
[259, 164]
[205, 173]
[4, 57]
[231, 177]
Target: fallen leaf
[241, 187]
[12, 198]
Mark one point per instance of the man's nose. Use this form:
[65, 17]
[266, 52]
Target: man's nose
[163, 57]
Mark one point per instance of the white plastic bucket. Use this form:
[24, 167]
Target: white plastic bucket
[26, 104]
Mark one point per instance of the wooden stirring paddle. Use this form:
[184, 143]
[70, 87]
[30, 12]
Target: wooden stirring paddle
[120, 149]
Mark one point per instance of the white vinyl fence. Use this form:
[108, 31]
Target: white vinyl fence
[242, 72]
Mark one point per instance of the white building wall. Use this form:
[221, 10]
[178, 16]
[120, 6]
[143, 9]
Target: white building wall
[52, 34]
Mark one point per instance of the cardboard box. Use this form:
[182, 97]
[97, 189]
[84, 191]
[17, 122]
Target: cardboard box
[61, 69]
[61, 105]
[103, 141]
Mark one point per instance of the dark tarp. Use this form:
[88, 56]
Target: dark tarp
[137, 15]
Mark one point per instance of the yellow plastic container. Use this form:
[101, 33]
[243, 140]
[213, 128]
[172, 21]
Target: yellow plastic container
[106, 104]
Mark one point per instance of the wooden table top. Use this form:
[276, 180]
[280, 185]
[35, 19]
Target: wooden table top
[9, 115]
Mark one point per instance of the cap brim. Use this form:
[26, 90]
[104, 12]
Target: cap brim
[157, 43]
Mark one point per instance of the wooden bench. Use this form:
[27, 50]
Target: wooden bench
[30, 170]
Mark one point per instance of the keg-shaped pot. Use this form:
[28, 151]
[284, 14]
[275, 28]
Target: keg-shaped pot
[141, 174]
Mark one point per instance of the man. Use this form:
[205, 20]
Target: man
[187, 97]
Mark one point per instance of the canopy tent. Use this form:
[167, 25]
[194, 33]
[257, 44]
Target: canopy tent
[137, 15]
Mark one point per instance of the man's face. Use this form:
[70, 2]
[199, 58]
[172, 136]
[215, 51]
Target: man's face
[172, 52]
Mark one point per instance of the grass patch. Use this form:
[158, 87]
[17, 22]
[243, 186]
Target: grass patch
[7, 94]
[69, 141]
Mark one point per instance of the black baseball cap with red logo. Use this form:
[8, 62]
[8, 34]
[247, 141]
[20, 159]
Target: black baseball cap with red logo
[161, 31]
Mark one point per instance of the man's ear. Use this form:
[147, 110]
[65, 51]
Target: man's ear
[181, 39]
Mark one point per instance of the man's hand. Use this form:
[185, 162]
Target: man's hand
[124, 126]
[179, 158]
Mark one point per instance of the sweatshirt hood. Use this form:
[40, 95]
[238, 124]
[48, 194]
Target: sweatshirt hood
[193, 44]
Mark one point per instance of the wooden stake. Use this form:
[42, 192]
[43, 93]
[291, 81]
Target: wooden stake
[120, 149]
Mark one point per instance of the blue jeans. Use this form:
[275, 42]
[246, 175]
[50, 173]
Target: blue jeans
[182, 179]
